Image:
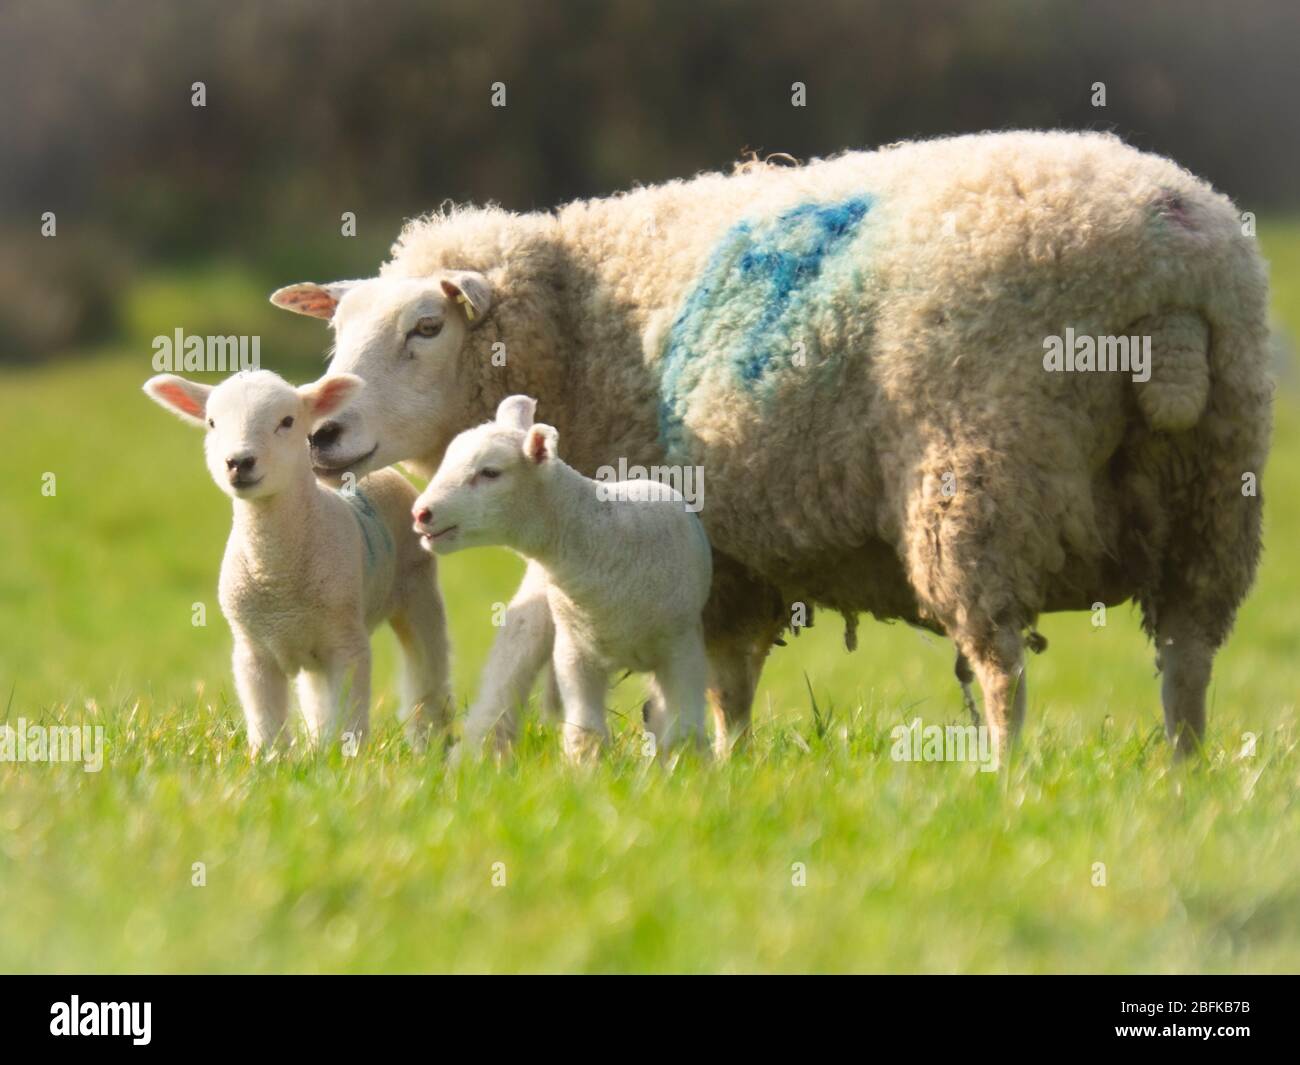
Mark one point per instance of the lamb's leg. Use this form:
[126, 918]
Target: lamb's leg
[654, 714]
[264, 695]
[314, 703]
[421, 628]
[999, 664]
[552, 704]
[681, 681]
[350, 685]
[582, 682]
[519, 651]
[337, 697]
[966, 677]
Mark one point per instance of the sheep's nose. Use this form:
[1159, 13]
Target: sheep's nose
[241, 464]
[326, 436]
[423, 516]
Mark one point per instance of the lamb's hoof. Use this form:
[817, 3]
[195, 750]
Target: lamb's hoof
[581, 747]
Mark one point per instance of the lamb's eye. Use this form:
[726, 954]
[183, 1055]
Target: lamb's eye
[488, 473]
[427, 327]
[211, 424]
[287, 423]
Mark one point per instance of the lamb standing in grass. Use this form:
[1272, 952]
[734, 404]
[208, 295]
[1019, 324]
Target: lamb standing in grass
[627, 570]
[308, 571]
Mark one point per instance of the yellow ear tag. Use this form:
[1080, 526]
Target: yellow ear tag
[469, 307]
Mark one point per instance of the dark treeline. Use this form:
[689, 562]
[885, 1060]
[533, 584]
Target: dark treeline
[384, 108]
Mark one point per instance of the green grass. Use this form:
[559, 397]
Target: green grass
[386, 862]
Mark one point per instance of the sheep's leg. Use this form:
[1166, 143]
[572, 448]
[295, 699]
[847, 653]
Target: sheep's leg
[735, 666]
[519, 651]
[966, 677]
[1213, 549]
[999, 665]
[264, 695]
[421, 628]
[1188, 624]
[681, 681]
[582, 681]
[1184, 659]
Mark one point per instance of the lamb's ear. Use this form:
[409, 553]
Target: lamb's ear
[516, 412]
[188, 399]
[471, 291]
[330, 393]
[307, 297]
[540, 443]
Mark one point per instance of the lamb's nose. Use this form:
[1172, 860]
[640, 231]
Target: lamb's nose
[326, 436]
[423, 516]
[241, 463]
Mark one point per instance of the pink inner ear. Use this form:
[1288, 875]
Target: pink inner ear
[537, 446]
[314, 302]
[180, 399]
[331, 395]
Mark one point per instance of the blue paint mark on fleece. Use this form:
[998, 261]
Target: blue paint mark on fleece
[378, 540]
[746, 306]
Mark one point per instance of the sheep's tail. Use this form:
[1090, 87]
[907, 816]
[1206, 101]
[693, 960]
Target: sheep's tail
[1177, 352]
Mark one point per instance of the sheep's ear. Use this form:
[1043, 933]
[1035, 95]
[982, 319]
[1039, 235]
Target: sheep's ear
[188, 399]
[516, 412]
[470, 291]
[330, 393]
[309, 298]
[540, 443]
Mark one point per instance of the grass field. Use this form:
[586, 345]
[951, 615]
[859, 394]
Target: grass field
[813, 851]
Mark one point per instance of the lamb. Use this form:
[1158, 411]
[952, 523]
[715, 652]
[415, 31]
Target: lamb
[859, 353]
[627, 570]
[309, 572]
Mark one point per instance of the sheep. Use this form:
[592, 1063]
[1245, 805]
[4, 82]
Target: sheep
[308, 571]
[627, 570]
[863, 353]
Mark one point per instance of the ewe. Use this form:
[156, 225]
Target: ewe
[627, 570]
[863, 353]
[309, 572]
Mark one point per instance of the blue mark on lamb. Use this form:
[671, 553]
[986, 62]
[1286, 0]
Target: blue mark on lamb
[745, 312]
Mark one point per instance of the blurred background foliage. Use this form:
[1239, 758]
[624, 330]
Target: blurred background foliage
[172, 215]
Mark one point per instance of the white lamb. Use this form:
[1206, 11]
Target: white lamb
[309, 571]
[627, 570]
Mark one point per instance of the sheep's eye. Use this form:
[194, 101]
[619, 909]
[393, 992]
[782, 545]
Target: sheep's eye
[489, 473]
[287, 423]
[211, 424]
[427, 327]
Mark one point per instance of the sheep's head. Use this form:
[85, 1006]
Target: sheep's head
[403, 337]
[487, 487]
[256, 424]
